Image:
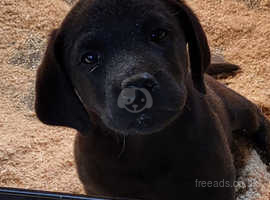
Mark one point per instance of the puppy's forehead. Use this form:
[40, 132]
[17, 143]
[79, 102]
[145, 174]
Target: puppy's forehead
[124, 7]
[98, 12]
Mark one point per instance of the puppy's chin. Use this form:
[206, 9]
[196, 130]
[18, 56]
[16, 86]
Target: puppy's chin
[141, 124]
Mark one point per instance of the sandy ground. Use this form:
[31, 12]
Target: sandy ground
[36, 156]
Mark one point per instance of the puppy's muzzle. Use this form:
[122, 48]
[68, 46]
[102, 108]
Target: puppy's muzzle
[142, 80]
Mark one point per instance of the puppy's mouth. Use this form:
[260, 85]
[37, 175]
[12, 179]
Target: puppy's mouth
[148, 124]
[143, 123]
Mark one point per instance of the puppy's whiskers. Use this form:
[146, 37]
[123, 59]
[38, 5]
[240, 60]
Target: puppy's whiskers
[123, 147]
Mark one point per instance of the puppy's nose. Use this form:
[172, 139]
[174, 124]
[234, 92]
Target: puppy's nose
[142, 80]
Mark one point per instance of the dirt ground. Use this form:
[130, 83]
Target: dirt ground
[36, 156]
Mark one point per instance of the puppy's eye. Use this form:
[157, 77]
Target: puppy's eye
[91, 59]
[158, 35]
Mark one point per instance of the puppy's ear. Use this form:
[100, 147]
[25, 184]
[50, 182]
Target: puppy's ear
[56, 102]
[199, 52]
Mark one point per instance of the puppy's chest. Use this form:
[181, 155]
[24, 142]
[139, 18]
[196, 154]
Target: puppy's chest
[152, 177]
[144, 166]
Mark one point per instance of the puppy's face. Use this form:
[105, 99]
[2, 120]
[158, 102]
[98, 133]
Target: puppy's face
[127, 63]
[122, 63]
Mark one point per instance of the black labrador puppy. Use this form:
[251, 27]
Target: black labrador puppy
[129, 75]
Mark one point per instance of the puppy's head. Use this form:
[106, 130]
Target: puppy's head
[122, 63]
